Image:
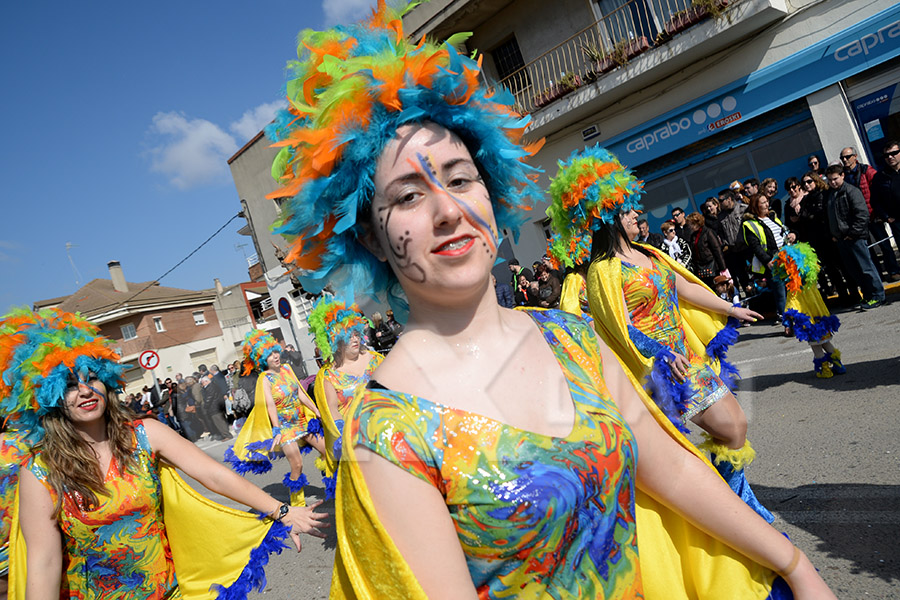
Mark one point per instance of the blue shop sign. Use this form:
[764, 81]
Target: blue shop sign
[855, 49]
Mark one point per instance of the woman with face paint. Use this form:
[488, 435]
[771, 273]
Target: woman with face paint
[340, 333]
[496, 452]
[93, 490]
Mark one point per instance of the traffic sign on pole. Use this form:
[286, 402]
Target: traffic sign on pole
[149, 359]
[284, 308]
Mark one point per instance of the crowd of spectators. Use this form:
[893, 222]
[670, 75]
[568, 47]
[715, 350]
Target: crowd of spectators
[848, 212]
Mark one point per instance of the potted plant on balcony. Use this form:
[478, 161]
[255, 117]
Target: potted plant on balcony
[569, 82]
[709, 8]
[636, 46]
[600, 59]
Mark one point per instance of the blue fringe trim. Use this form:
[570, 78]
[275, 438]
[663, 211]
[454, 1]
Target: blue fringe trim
[330, 486]
[295, 485]
[811, 329]
[242, 467]
[718, 348]
[254, 574]
[338, 448]
[671, 396]
[818, 362]
[314, 427]
[780, 590]
[306, 449]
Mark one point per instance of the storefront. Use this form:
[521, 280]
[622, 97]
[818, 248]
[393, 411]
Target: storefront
[769, 122]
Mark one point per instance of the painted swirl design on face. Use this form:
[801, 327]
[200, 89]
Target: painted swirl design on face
[479, 222]
[400, 248]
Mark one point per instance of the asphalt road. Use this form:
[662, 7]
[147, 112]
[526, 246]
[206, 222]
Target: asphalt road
[827, 462]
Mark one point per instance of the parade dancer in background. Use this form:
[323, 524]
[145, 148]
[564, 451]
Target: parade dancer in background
[339, 331]
[284, 418]
[485, 425]
[92, 494]
[797, 266]
[658, 317]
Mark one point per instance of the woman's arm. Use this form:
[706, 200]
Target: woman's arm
[222, 480]
[271, 407]
[415, 516]
[42, 538]
[681, 481]
[700, 296]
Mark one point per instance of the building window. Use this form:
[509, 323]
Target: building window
[511, 66]
[128, 332]
[199, 319]
[157, 322]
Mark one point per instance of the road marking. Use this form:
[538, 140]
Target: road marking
[808, 350]
[879, 517]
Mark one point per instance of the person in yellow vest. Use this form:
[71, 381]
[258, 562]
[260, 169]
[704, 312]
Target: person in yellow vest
[765, 235]
[495, 452]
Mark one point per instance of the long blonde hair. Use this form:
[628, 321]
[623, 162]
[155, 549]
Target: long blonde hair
[72, 465]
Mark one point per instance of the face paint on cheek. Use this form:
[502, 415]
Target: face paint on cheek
[399, 248]
[480, 223]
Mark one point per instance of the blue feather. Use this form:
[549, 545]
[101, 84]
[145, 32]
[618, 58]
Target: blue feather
[295, 485]
[813, 330]
[253, 576]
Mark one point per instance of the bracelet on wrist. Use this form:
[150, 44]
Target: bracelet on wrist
[730, 310]
[795, 560]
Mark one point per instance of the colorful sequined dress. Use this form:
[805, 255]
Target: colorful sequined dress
[346, 384]
[536, 515]
[120, 549]
[651, 301]
[292, 414]
[13, 452]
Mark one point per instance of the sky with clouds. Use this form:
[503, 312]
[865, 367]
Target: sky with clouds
[118, 119]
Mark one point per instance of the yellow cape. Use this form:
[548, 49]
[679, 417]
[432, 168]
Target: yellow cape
[210, 543]
[258, 426]
[329, 424]
[678, 560]
[569, 296]
[604, 282]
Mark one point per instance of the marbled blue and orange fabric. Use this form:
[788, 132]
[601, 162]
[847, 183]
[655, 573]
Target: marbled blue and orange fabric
[536, 516]
[652, 304]
[119, 549]
[293, 415]
[13, 452]
[346, 384]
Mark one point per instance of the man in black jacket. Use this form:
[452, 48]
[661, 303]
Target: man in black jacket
[645, 236]
[886, 190]
[848, 223]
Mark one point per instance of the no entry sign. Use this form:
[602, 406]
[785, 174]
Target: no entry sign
[149, 359]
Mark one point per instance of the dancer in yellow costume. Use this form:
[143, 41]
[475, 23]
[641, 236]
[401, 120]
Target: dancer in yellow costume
[797, 266]
[339, 330]
[284, 419]
[100, 515]
[500, 453]
[641, 306]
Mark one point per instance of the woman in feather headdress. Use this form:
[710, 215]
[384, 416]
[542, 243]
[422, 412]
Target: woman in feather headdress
[660, 319]
[495, 452]
[91, 495]
[284, 420]
[797, 266]
[339, 330]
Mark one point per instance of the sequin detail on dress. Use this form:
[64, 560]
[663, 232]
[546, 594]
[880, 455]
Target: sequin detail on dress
[346, 384]
[535, 515]
[292, 413]
[652, 304]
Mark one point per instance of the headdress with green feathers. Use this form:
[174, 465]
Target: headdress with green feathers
[332, 322]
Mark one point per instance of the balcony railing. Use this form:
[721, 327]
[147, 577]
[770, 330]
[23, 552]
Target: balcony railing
[606, 45]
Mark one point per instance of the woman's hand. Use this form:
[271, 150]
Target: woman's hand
[806, 583]
[304, 519]
[745, 314]
[679, 366]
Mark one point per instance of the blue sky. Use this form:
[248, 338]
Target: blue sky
[118, 119]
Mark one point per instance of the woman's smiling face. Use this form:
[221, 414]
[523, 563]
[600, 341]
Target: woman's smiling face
[432, 219]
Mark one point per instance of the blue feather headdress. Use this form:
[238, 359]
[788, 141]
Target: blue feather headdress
[39, 352]
[350, 91]
[333, 322]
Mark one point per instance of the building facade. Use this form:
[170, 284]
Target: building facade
[691, 94]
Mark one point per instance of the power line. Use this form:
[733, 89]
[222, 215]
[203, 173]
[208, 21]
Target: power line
[182, 261]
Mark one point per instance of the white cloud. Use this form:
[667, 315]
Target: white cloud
[252, 121]
[342, 12]
[9, 256]
[194, 153]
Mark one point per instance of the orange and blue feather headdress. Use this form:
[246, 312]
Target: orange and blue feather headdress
[590, 188]
[333, 322]
[352, 87]
[39, 353]
[258, 345]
